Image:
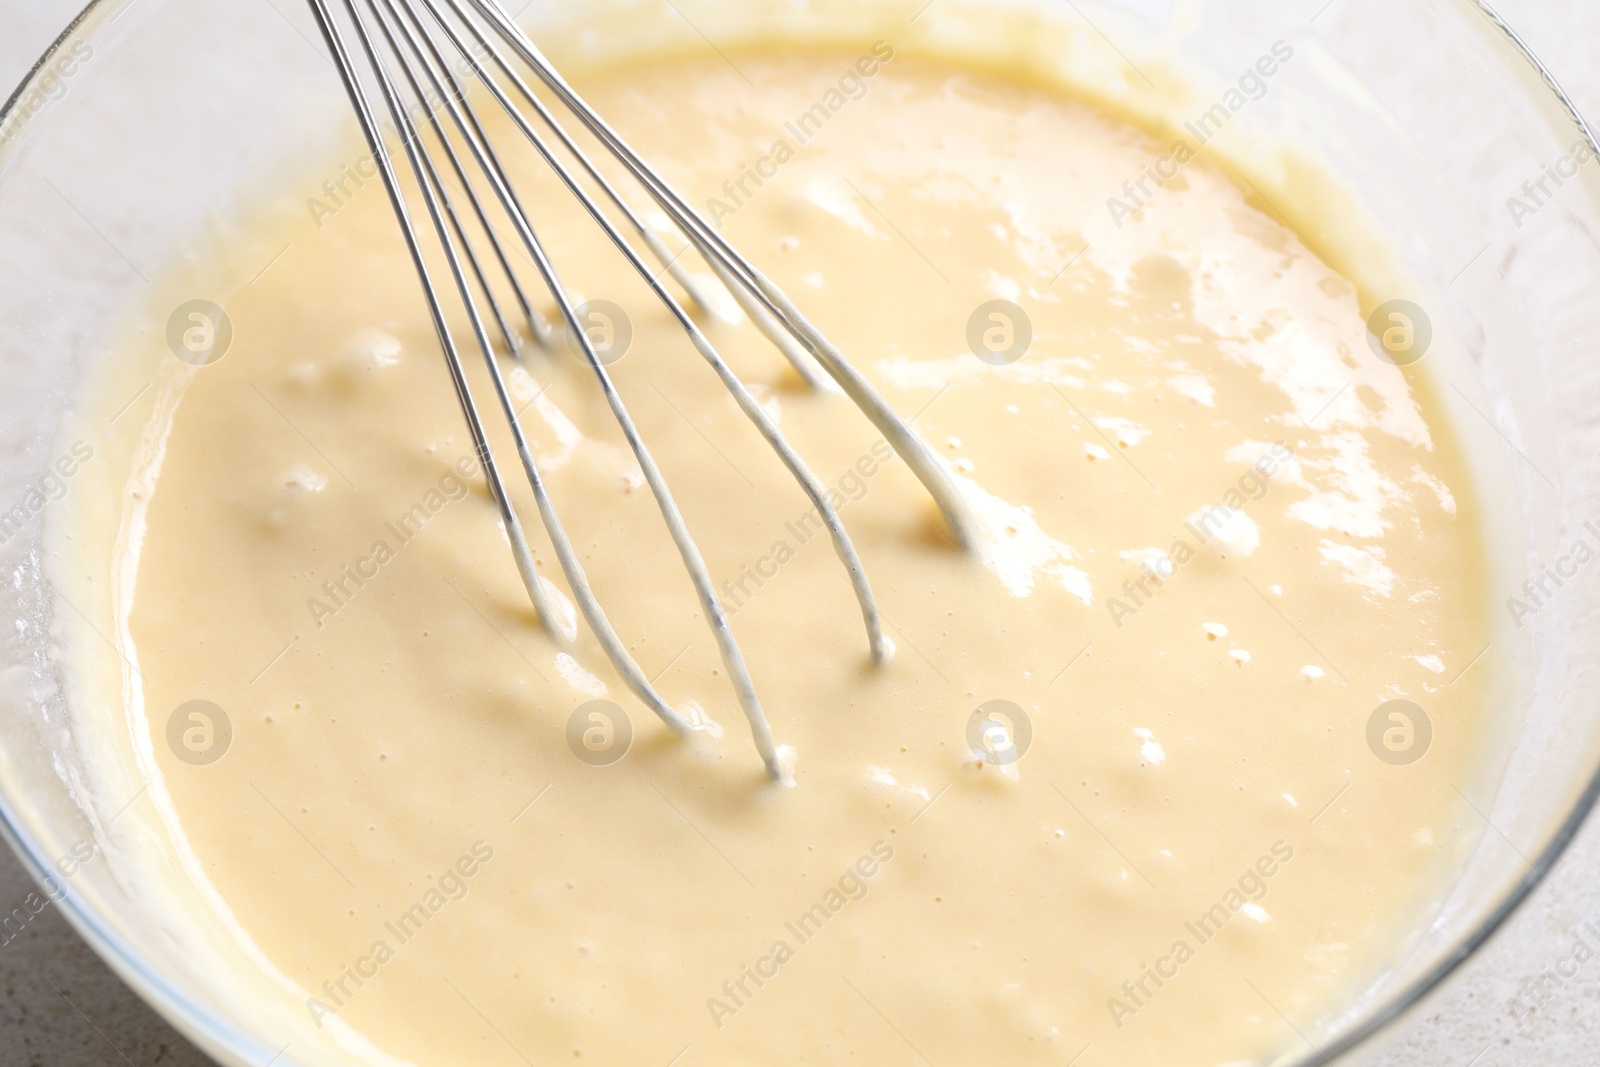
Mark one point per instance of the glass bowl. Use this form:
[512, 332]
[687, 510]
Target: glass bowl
[1452, 153]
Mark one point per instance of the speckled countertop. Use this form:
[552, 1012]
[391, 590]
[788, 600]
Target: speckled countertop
[61, 1007]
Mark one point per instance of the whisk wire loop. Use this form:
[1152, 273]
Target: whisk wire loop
[416, 36]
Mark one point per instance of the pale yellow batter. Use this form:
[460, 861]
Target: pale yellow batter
[1223, 534]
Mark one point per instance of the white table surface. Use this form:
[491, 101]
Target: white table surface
[61, 1007]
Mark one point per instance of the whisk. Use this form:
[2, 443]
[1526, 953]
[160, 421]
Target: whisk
[408, 46]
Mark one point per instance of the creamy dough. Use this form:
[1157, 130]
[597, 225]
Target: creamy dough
[1196, 848]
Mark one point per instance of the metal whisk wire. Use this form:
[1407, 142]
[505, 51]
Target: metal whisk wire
[408, 39]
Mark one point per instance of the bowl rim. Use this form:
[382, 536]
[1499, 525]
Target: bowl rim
[213, 1033]
[219, 1035]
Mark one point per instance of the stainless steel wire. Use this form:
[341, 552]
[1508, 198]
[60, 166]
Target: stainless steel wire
[403, 50]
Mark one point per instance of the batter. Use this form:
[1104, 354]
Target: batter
[1223, 533]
